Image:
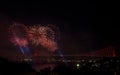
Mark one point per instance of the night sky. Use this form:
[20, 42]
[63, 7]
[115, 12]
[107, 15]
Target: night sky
[84, 26]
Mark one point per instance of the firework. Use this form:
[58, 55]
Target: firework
[42, 35]
[18, 37]
[37, 35]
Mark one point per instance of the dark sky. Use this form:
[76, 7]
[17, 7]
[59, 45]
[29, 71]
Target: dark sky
[84, 26]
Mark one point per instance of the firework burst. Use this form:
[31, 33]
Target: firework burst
[17, 34]
[18, 38]
[42, 35]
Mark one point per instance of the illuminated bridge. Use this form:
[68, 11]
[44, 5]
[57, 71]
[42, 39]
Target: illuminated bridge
[105, 52]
